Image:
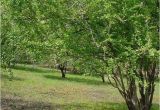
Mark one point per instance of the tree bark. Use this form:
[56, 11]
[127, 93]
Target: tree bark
[62, 67]
[129, 91]
[130, 96]
[63, 73]
[103, 79]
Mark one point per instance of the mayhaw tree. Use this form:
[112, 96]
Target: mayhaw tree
[91, 66]
[60, 56]
[121, 35]
[11, 40]
[34, 28]
[19, 34]
[78, 30]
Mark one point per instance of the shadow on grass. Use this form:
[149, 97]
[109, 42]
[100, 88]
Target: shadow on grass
[19, 104]
[32, 69]
[5, 76]
[77, 79]
[96, 106]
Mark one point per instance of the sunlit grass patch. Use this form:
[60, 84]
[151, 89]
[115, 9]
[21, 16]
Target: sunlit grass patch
[34, 89]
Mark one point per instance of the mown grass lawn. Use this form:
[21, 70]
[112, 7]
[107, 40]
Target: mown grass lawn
[44, 89]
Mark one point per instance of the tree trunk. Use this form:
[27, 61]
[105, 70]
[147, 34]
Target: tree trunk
[131, 97]
[103, 79]
[146, 97]
[146, 93]
[132, 103]
[129, 91]
[63, 73]
[131, 106]
[62, 67]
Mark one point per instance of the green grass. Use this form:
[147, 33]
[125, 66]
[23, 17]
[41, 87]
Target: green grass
[40, 88]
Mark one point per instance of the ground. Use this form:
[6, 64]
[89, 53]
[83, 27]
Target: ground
[35, 88]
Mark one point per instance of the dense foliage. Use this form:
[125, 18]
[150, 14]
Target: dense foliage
[117, 39]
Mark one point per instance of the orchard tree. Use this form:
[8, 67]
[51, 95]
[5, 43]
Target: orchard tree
[61, 57]
[91, 66]
[121, 35]
[35, 29]
[11, 45]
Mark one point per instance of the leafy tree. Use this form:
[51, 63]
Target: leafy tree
[121, 36]
[11, 45]
[33, 32]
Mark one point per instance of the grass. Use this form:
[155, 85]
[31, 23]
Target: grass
[35, 88]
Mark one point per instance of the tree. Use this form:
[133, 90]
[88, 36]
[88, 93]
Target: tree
[31, 31]
[91, 66]
[61, 57]
[11, 45]
[121, 35]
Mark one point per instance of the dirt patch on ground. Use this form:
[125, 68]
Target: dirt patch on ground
[19, 104]
[97, 95]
